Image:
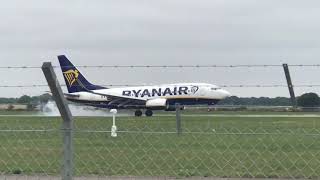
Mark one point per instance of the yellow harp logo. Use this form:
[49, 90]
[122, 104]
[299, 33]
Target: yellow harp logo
[71, 76]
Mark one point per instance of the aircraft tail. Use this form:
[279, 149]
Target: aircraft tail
[75, 81]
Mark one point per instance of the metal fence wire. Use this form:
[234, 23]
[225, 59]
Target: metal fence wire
[213, 144]
[207, 147]
[210, 145]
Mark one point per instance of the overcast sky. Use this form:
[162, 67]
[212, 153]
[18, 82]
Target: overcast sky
[162, 32]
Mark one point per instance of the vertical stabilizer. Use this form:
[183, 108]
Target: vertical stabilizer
[75, 81]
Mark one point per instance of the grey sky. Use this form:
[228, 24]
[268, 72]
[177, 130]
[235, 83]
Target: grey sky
[172, 32]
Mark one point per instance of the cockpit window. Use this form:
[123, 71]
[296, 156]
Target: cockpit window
[214, 89]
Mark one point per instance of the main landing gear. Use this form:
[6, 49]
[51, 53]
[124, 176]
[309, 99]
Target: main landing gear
[148, 113]
[138, 113]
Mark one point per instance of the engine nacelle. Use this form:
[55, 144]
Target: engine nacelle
[156, 103]
[160, 104]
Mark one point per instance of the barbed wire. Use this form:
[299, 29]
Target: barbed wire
[170, 66]
[132, 85]
[266, 86]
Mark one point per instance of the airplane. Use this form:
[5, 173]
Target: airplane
[148, 98]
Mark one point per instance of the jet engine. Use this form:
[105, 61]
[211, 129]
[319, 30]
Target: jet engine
[160, 104]
[157, 103]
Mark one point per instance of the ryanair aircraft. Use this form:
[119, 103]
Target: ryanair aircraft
[161, 97]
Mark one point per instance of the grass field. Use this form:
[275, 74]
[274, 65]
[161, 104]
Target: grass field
[209, 146]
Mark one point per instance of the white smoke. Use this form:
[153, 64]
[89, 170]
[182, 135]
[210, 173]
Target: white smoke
[51, 109]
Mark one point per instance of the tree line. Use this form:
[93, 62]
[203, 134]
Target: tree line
[25, 99]
[305, 100]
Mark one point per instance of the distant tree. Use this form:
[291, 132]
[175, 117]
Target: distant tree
[24, 99]
[35, 100]
[44, 98]
[309, 100]
[282, 101]
[253, 101]
[8, 100]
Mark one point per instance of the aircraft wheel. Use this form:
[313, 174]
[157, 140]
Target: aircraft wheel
[149, 112]
[138, 113]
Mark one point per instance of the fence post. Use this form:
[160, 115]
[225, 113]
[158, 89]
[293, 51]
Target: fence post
[178, 118]
[290, 86]
[67, 125]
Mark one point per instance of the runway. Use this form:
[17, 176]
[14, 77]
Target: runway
[248, 115]
[190, 115]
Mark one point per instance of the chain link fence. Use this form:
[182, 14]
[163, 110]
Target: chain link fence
[210, 145]
[29, 145]
[215, 145]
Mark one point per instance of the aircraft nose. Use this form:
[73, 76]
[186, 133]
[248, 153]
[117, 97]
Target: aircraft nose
[225, 93]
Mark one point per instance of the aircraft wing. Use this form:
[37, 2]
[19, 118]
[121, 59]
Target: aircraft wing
[71, 95]
[121, 102]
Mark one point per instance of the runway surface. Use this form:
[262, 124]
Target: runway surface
[192, 115]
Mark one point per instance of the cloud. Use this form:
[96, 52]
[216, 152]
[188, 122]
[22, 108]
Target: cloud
[162, 32]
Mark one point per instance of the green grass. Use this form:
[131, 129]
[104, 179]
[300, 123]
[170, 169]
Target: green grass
[209, 146]
[14, 112]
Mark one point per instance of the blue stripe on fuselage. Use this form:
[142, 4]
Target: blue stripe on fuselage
[140, 105]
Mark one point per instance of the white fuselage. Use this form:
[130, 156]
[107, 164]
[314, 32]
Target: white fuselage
[188, 93]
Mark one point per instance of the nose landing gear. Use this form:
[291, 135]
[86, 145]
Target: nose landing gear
[138, 113]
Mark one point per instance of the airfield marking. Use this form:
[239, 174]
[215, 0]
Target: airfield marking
[248, 115]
